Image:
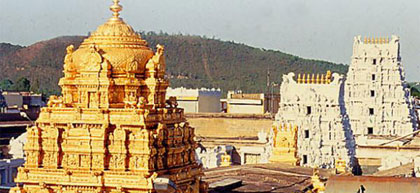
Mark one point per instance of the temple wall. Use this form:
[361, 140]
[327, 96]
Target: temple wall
[376, 158]
[213, 125]
[242, 136]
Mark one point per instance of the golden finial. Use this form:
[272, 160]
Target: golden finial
[303, 79]
[322, 79]
[116, 8]
[299, 80]
[313, 79]
[365, 40]
[328, 77]
[318, 80]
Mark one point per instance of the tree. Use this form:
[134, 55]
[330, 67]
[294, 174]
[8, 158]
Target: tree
[415, 92]
[35, 86]
[22, 84]
[6, 84]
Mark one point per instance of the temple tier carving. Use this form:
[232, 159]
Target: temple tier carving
[112, 129]
[285, 144]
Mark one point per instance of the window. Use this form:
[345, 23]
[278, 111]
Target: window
[251, 158]
[374, 62]
[372, 93]
[306, 134]
[305, 159]
[373, 77]
[370, 130]
[371, 111]
[308, 110]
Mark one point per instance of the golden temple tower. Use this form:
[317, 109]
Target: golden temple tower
[111, 131]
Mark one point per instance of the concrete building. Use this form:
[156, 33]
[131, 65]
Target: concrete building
[197, 100]
[8, 172]
[314, 106]
[3, 104]
[245, 103]
[16, 102]
[377, 97]
[12, 125]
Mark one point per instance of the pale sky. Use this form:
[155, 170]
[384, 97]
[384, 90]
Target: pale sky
[318, 29]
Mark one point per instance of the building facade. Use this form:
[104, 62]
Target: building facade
[313, 106]
[197, 100]
[16, 102]
[251, 103]
[376, 94]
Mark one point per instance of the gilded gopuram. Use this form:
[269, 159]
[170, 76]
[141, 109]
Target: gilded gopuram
[111, 131]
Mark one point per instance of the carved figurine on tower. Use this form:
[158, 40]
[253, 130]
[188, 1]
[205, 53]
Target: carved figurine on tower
[112, 129]
[284, 145]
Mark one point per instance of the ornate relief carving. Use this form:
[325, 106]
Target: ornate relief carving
[68, 60]
[92, 60]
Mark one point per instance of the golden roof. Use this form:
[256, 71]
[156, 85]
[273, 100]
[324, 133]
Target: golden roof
[118, 42]
[115, 32]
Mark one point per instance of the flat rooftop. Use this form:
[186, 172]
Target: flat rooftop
[264, 178]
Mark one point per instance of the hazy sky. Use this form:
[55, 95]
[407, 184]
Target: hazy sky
[319, 29]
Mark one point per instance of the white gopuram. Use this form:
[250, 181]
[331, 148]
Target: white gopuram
[377, 98]
[314, 105]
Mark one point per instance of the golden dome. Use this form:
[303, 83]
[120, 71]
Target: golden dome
[118, 43]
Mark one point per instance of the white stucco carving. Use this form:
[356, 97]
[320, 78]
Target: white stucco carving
[334, 116]
[322, 124]
[376, 94]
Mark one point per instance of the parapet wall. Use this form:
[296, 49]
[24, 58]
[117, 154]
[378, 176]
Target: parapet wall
[222, 125]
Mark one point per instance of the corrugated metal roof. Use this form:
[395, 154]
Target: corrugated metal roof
[372, 184]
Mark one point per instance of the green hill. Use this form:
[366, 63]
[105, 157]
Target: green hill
[192, 62]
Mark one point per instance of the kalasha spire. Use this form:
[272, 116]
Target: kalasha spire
[116, 8]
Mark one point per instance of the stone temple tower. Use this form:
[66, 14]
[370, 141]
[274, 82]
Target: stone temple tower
[377, 98]
[111, 130]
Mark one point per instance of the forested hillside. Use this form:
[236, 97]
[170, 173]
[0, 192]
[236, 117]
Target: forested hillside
[192, 61]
